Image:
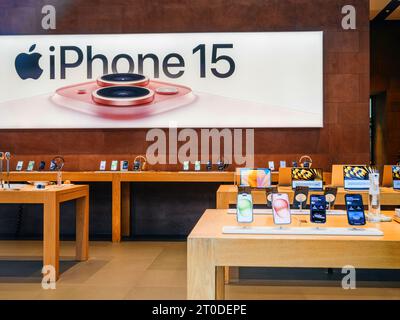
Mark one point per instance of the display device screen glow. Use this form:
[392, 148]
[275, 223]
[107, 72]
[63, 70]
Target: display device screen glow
[307, 177]
[281, 208]
[355, 209]
[317, 209]
[396, 177]
[244, 208]
[255, 178]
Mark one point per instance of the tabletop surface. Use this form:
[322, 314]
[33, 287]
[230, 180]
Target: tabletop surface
[213, 220]
[27, 188]
[234, 189]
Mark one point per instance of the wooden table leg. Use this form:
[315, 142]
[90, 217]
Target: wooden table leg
[82, 228]
[201, 271]
[220, 283]
[126, 209]
[51, 233]
[231, 274]
[116, 208]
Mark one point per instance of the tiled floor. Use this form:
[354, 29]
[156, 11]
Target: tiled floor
[141, 270]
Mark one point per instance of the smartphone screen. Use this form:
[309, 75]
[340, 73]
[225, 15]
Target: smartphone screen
[244, 207]
[42, 165]
[317, 208]
[281, 208]
[355, 209]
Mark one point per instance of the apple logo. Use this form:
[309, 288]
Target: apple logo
[27, 65]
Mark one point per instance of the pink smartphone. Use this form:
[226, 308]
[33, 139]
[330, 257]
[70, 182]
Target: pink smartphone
[281, 208]
[123, 95]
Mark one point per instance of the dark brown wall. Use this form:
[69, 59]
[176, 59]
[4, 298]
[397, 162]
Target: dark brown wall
[344, 138]
[385, 80]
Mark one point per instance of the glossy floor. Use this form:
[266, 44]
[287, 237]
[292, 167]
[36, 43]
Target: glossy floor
[147, 270]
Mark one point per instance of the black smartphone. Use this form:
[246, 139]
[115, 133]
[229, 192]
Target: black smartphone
[300, 197]
[222, 166]
[268, 192]
[330, 196]
[209, 166]
[136, 165]
[42, 165]
[317, 208]
[124, 165]
[355, 209]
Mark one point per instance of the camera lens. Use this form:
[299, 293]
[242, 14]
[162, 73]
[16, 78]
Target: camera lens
[167, 90]
[122, 79]
[122, 96]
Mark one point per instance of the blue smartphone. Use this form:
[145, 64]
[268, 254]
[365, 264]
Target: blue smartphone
[355, 209]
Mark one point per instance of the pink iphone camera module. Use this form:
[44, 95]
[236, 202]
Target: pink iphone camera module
[123, 95]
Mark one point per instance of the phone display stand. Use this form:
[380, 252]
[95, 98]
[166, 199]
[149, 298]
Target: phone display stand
[303, 231]
[333, 212]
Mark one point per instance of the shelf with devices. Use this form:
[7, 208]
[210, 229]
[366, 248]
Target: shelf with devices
[299, 184]
[138, 171]
[303, 201]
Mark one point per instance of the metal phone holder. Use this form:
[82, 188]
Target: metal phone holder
[142, 165]
[1, 169]
[7, 156]
[59, 164]
[305, 161]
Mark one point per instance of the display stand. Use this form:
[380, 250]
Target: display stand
[318, 231]
[292, 211]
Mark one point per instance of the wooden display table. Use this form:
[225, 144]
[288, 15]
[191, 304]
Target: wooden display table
[209, 250]
[227, 195]
[120, 186]
[51, 197]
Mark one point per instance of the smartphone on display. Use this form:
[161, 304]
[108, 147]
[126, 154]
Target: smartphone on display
[269, 192]
[20, 164]
[42, 165]
[124, 165]
[355, 209]
[103, 164]
[317, 208]
[330, 196]
[114, 165]
[281, 208]
[300, 197]
[244, 207]
[53, 165]
[31, 165]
